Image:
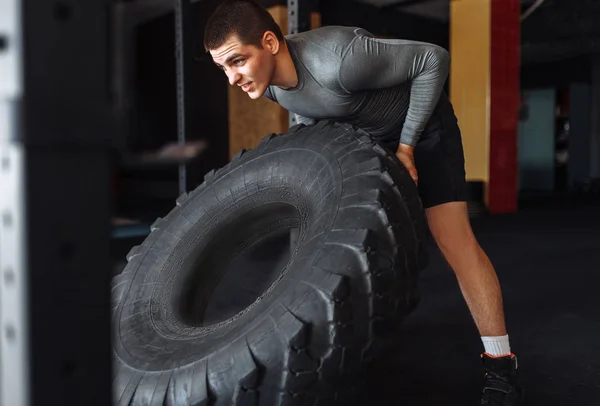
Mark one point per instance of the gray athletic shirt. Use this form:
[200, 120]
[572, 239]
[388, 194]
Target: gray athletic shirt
[386, 87]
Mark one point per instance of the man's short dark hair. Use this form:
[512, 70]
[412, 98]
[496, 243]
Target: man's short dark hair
[245, 19]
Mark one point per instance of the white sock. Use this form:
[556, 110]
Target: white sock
[496, 346]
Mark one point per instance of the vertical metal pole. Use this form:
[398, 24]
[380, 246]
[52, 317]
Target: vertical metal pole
[55, 126]
[14, 357]
[595, 133]
[183, 58]
[298, 21]
[298, 16]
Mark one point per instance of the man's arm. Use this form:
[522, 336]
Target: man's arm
[370, 63]
[303, 120]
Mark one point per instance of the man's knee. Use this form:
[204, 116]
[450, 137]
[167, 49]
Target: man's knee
[451, 227]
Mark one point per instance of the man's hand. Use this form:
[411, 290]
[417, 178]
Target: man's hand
[406, 155]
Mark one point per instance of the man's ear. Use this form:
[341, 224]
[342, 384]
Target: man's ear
[270, 42]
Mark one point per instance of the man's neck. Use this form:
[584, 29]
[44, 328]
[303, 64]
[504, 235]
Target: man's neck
[285, 75]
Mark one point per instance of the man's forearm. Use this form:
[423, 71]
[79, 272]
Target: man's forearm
[425, 93]
[423, 101]
[409, 136]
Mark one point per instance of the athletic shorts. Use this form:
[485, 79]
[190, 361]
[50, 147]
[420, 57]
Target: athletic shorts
[439, 158]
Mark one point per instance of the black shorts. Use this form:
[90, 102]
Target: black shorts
[439, 158]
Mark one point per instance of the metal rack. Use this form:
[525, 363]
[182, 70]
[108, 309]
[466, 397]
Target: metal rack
[184, 58]
[298, 21]
[55, 135]
[14, 357]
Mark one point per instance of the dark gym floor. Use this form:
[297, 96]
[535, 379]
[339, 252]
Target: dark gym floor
[548, 262]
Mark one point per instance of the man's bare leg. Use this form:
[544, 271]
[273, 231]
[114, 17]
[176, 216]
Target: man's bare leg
[449, 223]
[451, 228]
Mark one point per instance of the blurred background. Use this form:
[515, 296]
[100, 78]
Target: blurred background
[525, 88]
[101, 109]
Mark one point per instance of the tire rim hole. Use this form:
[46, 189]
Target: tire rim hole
[247, 258]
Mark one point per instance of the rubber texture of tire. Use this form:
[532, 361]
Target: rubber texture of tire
[348, 285]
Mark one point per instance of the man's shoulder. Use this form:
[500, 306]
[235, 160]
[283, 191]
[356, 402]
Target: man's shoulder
[321, 52]
[332, 38]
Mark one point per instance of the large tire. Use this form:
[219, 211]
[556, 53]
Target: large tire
[348, 283]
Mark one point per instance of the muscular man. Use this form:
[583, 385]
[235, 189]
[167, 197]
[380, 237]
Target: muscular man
[392, 89]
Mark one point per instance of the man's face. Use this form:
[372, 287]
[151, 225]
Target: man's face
[246, 66]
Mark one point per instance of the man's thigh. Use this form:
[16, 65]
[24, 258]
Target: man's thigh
[440, 162]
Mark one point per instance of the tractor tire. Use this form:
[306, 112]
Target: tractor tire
[199, 316]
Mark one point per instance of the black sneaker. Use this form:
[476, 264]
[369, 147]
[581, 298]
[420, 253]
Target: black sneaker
[500, 385]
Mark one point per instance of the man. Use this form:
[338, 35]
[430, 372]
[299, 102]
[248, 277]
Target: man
[392, 89]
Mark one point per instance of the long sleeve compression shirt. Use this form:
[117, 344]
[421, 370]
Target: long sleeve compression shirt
[387, 87]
